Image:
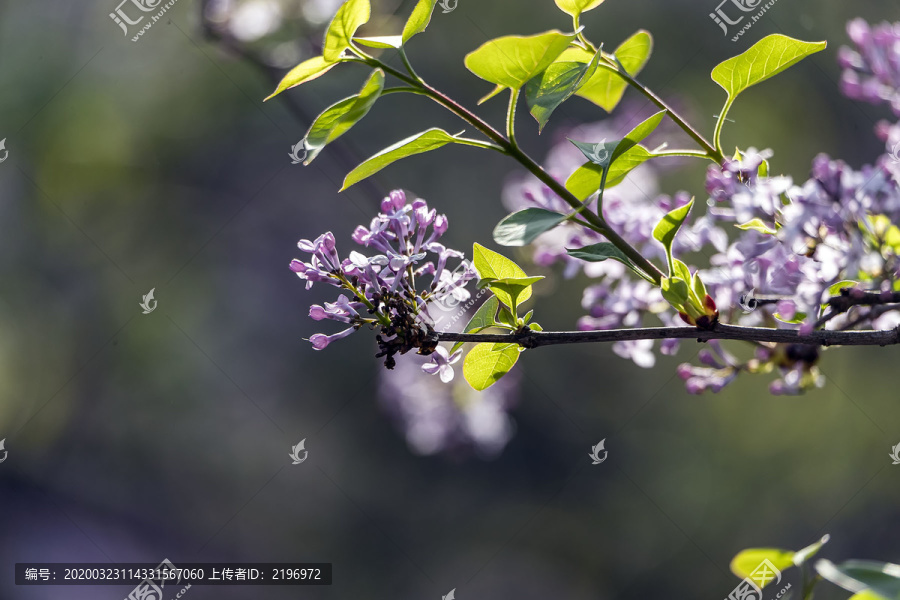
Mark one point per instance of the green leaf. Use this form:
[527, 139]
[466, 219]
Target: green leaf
[545, 92]
[349, 17]
[638, 134]
[381, 41]
[675, 291]
[522, 227]
[512, 60]
[756, 225]
[857, 576]
[490, 264]
[866, 595]
[747, 561]
[605, 88]
[483, 318]
[603, 251]
[764, 59]
[514, 287]
[428, 140]
[576, 7]
[586, 180]
[668, 227]
[506, 317]
[487, 363]
[340, 117]
[305, 71]
[418, 20]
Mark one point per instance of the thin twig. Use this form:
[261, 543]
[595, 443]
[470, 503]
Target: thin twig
[534, 339]
[851, 297]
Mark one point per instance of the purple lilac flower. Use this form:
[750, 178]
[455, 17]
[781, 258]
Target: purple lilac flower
[872, 69]
[381, 290]
[442, 363]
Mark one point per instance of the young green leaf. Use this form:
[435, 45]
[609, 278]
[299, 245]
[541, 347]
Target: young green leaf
[340, 117]
[545, 92]
[305, 71]
[350, 16]
[511, 61]
[514, 288]
[668, 227]
[638, 134]
[764, 59]
[675, 291]
[603, 251]
[419, 19]
[605, 88]
[523, 227]
[381, 41]
[857, 576]
[747, 561]
[428, 140]
[483, 318]
[487, 363]
[587, 178]
[491, 265]
[576, 7]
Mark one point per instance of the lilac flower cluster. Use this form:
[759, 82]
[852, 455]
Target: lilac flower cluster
[381, 290]
[786, 247]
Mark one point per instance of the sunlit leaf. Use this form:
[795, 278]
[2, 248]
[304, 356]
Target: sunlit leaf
[483, 318]
[305, 71]
[382, 41]
[492, 265]
[487, 363]
[605, 88]
[545, 92]
[340, 117]
[350, 16]
[418, 20]
[576, 7]
[586, 179]
[666, 230]
[511, 61]
[747, 561]
[428, 140]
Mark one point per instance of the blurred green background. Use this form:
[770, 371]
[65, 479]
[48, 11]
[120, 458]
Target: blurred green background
[134, 438]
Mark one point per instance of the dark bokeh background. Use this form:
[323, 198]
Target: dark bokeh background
[133, 437]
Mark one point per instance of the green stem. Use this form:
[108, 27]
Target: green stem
[717, 136]
[711, 150]
[511, 117]
[690, 153]
[402, 88]
[597, 223]
[409, 66]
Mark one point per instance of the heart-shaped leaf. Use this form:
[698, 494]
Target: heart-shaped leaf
[523, 227]
[511, 61]
[340, 117]
[487, 363]
[492, 265]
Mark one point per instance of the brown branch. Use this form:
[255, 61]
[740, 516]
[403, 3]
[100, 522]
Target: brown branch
[534, 339]
[851, 297]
